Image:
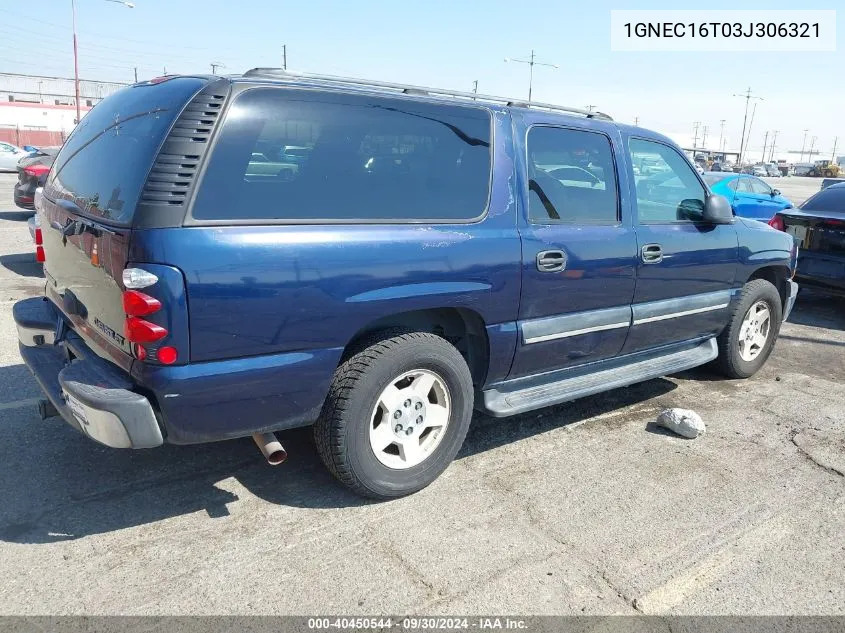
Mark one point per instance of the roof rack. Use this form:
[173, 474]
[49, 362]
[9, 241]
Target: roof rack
[279, 73]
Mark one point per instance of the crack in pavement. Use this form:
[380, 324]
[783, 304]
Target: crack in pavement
[809, 456]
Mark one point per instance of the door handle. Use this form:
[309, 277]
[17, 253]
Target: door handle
[551, 261]
[651, 254]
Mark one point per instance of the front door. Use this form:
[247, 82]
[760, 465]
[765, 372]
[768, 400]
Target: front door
[579, 253]
[686, 268]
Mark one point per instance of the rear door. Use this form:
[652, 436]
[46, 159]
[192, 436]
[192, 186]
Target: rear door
[89, 203]
[686, 268]
[579, 252]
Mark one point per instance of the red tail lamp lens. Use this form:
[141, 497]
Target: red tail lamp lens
[167, 355]
[39, 238]
[39, 254]
[140, 352]
[141, 331]
[139, 304]
[36, 170]
[777, 223]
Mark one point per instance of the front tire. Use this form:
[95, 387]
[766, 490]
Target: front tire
[748, 340]
[396, 415]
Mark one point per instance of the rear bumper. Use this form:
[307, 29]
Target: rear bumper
[823, 271]
[25, 196]
[90, 393]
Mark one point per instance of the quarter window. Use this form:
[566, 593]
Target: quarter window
[571, 177]
[305, 155]
[668, 189]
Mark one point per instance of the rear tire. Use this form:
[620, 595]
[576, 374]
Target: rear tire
[748, 340]
[396, 414]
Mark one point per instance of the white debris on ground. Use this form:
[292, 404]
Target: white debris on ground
[684, 422]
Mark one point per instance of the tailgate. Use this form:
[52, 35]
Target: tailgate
[89, 203]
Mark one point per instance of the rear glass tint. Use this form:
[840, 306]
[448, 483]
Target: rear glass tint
[828, 199]
[303, 156]
[103, 165]
[712, 179]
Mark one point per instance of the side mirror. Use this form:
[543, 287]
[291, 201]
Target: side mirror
[775, 192]
[717, 210]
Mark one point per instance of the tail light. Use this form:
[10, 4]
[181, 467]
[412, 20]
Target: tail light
[142, 331]
[36, 171]
[138, 304]
[40, 256]
[777, 223]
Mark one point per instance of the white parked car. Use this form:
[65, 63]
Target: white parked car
[10, 155]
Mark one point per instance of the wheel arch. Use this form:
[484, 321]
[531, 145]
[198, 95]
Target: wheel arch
[464, 328]
[776, 274]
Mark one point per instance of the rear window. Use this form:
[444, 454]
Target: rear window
[712, 179]
[103, 165]
[298, 155]
[829, 199]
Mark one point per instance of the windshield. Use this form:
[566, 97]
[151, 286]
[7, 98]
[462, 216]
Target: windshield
[103, 165]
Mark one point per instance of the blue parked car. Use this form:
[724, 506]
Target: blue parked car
[433, 253]
[749, 196]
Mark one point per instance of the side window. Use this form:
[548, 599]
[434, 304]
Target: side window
[760, 187]
[571, 177]
[668, 189]
[743, 185]
[305, 155]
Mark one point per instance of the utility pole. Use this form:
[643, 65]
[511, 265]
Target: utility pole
[214, 68]
[695, 125]
[810, 153]
[136, 74]
[748, 97]
[636, 120]
[765, 144]
[284, 56]
[531, 63]
[475, 86]
[803, 145]
[165, 71]
[589, 108]
[721, 134]
[833, 155]
[772, 151]
[750, 125]
[704, 139]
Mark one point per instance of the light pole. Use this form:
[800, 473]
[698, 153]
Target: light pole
[810, 153]
[128, 5]
[721, 134]
[531, 63]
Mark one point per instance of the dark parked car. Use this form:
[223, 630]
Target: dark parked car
[32, 173]
[421, 262]
[818, 226]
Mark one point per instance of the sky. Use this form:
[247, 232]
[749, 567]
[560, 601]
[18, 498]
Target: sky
[450, 44]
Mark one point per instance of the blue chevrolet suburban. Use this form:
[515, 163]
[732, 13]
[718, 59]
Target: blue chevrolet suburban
[426, 253]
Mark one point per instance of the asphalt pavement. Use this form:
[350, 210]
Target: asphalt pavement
[584, 508]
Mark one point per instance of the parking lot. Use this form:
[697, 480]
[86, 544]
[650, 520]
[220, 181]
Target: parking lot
[584, 508]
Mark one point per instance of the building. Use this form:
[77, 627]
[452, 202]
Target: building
[37, 110]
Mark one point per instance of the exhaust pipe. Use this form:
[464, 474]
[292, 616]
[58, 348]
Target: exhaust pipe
[270, 447]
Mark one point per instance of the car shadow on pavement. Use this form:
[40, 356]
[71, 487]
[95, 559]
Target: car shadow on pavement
[819, 310]
[59, 485]
[23, 264]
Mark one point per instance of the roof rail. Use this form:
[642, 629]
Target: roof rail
[279, 73]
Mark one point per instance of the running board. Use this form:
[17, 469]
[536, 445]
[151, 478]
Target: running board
[501, 402]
